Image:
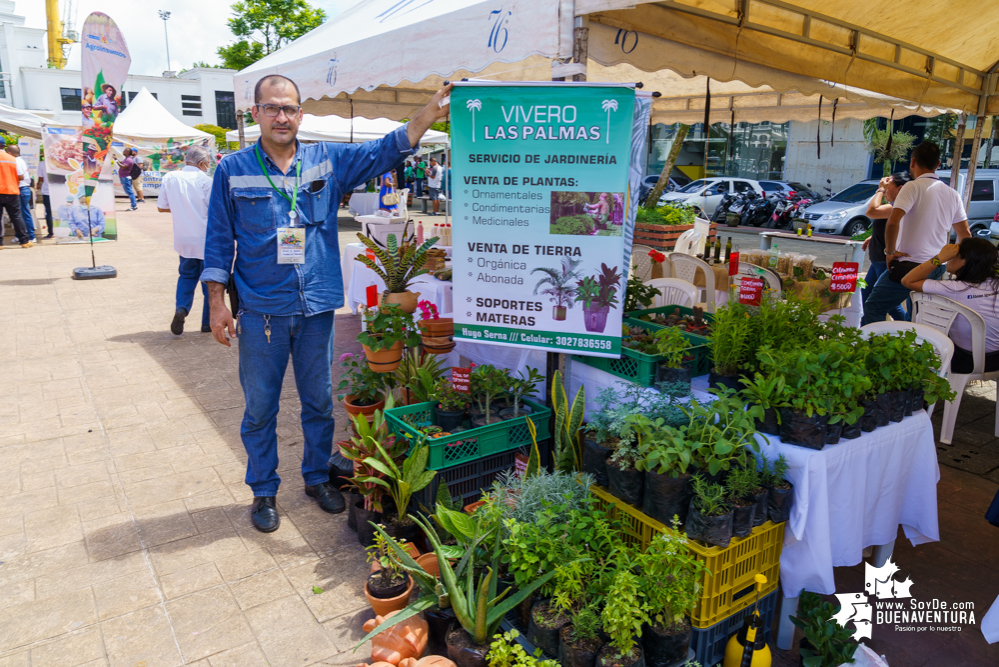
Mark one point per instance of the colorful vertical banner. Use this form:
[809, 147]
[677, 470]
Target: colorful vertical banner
[64, 171]
[542, 211]
[105, 63]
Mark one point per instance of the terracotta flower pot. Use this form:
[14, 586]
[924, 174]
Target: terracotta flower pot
[366, 410]
[410, 549]
[405, 300]
[384, 361]
[388, 605]
[437, 344]
[429, 564]
[443, 326]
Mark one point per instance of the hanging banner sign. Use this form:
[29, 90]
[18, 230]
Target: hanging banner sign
[542, 213]
[750, 291]
[844, 277]
[72, 219]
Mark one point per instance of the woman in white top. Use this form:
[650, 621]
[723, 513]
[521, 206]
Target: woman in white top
[974, 264]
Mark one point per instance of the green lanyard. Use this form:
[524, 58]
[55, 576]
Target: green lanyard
[298, 174]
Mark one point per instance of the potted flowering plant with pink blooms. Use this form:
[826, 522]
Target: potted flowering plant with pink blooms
[361, 389]
[436, 332]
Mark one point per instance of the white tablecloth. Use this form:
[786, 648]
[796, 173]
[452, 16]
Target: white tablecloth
[596, 380]
[357, 278]
[363, 203]
[853, 495]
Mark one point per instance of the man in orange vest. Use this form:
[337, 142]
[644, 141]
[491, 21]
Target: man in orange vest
[10, 196]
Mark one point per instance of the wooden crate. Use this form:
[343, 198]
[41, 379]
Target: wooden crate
[662, 237]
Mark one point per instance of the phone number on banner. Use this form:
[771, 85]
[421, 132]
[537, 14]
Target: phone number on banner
[554, 341]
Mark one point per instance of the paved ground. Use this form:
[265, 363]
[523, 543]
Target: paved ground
[124, 538]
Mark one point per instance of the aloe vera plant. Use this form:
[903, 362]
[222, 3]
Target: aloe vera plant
[396, 266]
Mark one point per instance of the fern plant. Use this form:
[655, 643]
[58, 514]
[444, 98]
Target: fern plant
[397, 263]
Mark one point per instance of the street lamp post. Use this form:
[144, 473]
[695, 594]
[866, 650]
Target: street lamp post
[166, 36]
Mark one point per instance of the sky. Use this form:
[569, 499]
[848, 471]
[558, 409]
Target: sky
[197, 28]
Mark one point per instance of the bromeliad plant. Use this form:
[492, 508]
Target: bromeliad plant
[397, 263]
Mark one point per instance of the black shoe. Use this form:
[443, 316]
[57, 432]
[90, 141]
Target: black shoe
[205, 329]
[177, 326]
[263, 513]
[329, 499]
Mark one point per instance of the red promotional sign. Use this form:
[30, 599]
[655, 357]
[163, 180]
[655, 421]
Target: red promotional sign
[844, 277]
[372, 295]
[733, 263]
[750, 291]
[461, 379]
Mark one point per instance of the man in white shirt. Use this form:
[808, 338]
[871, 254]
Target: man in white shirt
[434, 173]
[185, 194]
[24, 184]
[924, 212]
[43, 189]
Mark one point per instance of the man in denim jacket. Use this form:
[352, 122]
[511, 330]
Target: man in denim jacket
[286, 309]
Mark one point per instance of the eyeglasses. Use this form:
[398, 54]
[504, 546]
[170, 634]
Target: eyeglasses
[272, 110]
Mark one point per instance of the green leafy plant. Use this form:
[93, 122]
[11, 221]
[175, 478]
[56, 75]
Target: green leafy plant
[373, 438]
[401, 483]
[419, 373]
[390, 570]
[388, 325]
[723, 431]
[556, 283]
[661, 449]
[670, 576]
[730, 338]
[586, 623]
[638, 295]
[741, 483]
[668, 214]
[523, 497]
[709, 499]
[450, 399]
[487, 384]
[672, 346]
[358, 380]
[568, 419]
[831, 643]
[765, 391]
[524, 386]
[506, 652]
[775, 476]
[397, 263]
[625, 612]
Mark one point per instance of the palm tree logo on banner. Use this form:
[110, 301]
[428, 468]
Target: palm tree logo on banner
[608, 106]
[473, 106]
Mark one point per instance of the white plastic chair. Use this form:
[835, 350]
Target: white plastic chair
[690, 243]
[673, 292]
[403, 206]
[685, 267]
[641, 261]
[943, 345]
[772, 279]
[940, 312]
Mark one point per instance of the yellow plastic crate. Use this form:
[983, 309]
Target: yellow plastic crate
[728, 586]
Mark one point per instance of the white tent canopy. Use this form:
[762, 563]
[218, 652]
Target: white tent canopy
[334, 128]
[145, 118]
[19, 121]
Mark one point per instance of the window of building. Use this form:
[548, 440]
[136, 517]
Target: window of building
[983, 191]
[131, 96]
[71, 99]
[190, 105]
[225, 109]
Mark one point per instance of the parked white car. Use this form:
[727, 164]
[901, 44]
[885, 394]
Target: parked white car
[705, 194]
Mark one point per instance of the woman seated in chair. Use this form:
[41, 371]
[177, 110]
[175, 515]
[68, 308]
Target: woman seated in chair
[975, 266]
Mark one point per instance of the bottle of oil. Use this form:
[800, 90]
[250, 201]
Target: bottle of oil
[718, 250]
[728, 249]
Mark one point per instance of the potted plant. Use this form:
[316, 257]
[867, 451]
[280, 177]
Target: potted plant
[436, 332]
[670, 582]
[451, 405]
[417, 376]
[624, 478]
[730, 342]
[623, 616]
[397, 264]
[556, 285]
[664, 456]
[387, 330]
[780, 491]
[401, 482]
[597, 295]
[487, 383]
[361, 389]
[505, 651]
[721, 434]
[766, 392]
[580, 641]
[638, 295]
[389, 586]
[671, 345]
[520, 387]
[826, 643]
[709, 518]
[739, 486]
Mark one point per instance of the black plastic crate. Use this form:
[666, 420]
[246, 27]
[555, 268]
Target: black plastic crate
[466, 481]
[709, 643]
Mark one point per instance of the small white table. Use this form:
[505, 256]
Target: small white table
[854, 247]
[363, 203]
[357, 278]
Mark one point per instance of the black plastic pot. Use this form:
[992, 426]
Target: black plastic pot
[365, 531]
[804, 643]
[908, 401]
[479, 418]
[388, 591]
[545, 638]
[510, 413]
[627, 485]
[896, 410]
[666, 497]
[760, 513]
[448, 421]
[607, 657]
[439, 623]
[918, 398]
[779, 503]
[714, 530]
[667, 375]
[833, 431]
[463, 652]
[851, 431]
[575, 653]
[352, 499]
[799, 429]
[341, 469]
[869, 421]
[730, 381]
[595, 461]
[769, 424]
[664, 650]
[407, 533]
[742, 520]
[882, 409]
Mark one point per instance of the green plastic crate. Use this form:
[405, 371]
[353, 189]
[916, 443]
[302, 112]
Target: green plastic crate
[641, 368]
[637, 314]
[473, 443]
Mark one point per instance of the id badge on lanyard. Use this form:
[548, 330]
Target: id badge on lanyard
[290, 239]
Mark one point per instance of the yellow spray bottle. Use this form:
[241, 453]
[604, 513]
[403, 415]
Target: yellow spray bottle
[748, 647]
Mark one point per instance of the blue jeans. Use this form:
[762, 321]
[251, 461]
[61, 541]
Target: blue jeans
[190, 275]
[873, 273]
[887, 295]
[29, 223]
[48, 213]
[262, 363]
[126, 184]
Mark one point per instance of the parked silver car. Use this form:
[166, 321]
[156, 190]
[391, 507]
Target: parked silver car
[843, 213]
[984, 206]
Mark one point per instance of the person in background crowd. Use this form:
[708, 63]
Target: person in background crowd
[931, 209]
[878, 212]
[24, 189]
[408, 175]
[125, 175]
[185, 194]
[286, 310]
[975, 266]
[399, 177]
[419, 169]
[10, 197]
[434, 174]
[137, 170]
[387, 187]
[43, 190]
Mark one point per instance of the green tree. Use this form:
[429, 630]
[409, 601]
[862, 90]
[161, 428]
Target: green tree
[887, 146]
[218, 133]
[264, 26]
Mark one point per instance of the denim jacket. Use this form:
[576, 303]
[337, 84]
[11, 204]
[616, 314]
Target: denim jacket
[245, 209]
